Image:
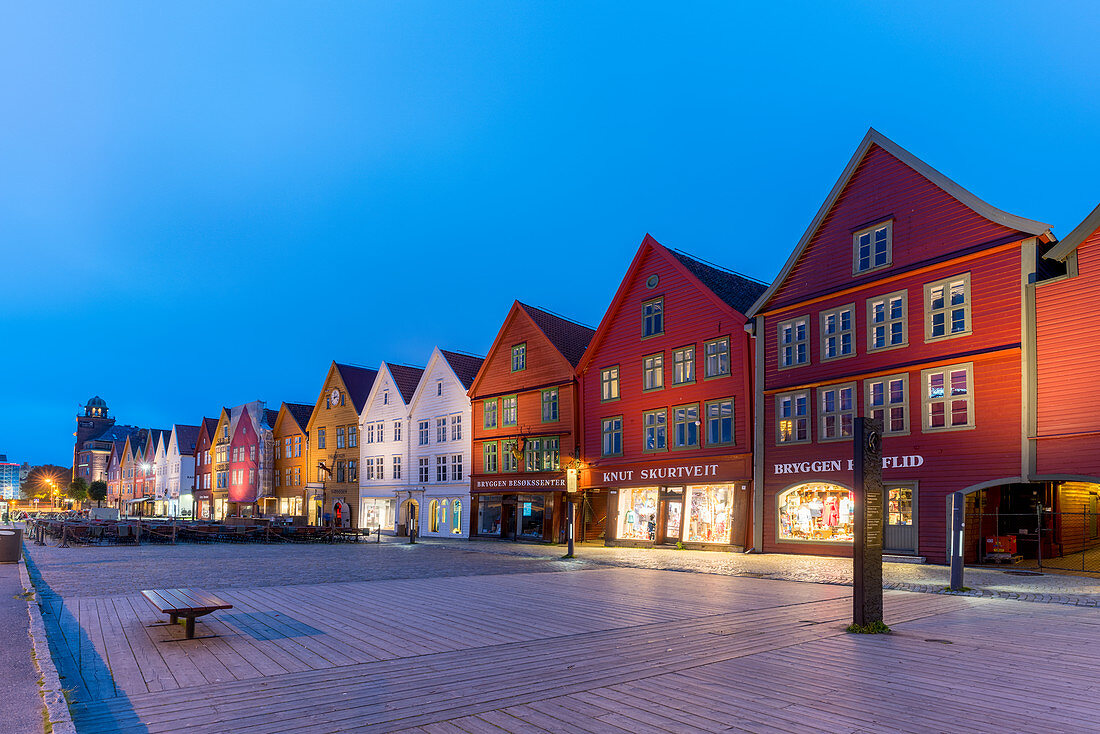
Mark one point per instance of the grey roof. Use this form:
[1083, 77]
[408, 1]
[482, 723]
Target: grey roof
[300, 413]
[465, 366]
[568, 337]
[187, 437]
[211, 425]
[269, 417]
[738, 291]
[406, 377]
[358, 381]
[1073, 240]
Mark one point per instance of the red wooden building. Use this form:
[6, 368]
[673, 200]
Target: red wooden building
[204, 469]
[906, 299]
[667, 405]
[525, 426]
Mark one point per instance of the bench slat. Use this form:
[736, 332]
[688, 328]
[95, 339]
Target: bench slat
[184, 601]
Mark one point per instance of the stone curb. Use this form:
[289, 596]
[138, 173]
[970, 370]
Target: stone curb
[57, 708]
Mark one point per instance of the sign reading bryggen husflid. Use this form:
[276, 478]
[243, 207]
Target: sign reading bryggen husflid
[903, 302]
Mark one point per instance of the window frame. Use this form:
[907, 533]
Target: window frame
[838, 334]
[519, 350]
[645, 303]
[485, 413]
[926, 402]
[689, 362]
[485, 454]
[869, 408]
[656, 426]
[672, 444]
[779, 344]
[885, 298]
[657, 370]
[948, 308]
[607, 380]
[808, 417]
[604, 432]
[706, 358]
[819, 394]
[888, 224]
[542, 403]
[503, 411]
[733, 421]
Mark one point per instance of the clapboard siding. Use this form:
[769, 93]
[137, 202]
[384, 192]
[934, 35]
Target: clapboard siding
[1068, 312]
[692, 317]
[928, 223]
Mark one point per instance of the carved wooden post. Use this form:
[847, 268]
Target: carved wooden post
[867, 551]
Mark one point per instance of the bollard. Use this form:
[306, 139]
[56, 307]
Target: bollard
[958, 505]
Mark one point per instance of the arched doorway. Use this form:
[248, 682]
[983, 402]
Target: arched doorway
[408, 516]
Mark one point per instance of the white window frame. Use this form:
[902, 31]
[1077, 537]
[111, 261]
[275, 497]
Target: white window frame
[683, 365]
[836, 412]
[886, 408]
[793, 396]
[927, 402]
[888, 225]
[653, 372]
[793, 344]
[947, 310]
[887, 324]
[838, 334]
[609, 384]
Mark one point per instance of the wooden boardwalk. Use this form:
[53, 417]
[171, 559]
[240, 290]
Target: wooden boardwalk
[608, 650]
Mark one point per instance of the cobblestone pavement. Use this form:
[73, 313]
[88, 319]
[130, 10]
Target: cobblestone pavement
[109, 570]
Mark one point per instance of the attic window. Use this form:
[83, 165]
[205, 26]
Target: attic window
[386, 398]
[872, 247]
[439, 388]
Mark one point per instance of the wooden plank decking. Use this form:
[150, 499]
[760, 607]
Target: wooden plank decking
[608, 650]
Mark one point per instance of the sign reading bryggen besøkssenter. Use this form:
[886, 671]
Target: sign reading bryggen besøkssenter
[827, 465]
[519, 483]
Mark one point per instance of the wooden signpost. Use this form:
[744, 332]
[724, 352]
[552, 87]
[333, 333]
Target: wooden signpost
[867, 551]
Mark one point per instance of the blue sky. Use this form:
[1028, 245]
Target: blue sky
[203, 204]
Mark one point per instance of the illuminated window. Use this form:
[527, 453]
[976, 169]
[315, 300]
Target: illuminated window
[836, 410]
[519, 357]
[886, 322]
[550, 405]
[716, 354]
[838, 332]
[489, 410]
[792, 417]
[886, 400]
[947, 308]
[683, 365]
[871, 248]
[609, 384]
[653, 371]
[948, 397]
[653, 317]
[509, 456]
[433, 516]
[509, 409]
[794, 340]
[456, 517]
[655, 430]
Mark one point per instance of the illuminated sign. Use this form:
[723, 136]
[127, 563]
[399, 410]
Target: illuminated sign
[834, 465]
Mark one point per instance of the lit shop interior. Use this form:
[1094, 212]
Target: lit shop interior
[667, 515]
[822, 512]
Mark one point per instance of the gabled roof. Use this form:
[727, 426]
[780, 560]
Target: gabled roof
[358, 381]
[300, 413]
[465, 366]
[1073, 240]
[211, 425]
[738, 291]
[187, 437]
[406, 377]
[568, 337]
[269, 417]
[114, 433]
[873, 138]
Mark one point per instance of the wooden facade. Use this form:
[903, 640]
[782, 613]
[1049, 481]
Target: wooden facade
[291, 458]
[203, 495]
[667, 404]
[905, 300]
[520, 451]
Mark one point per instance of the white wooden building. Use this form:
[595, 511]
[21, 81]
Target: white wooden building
[438, 494]
[384, 447]
[180, 470]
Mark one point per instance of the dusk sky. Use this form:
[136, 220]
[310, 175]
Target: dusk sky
[203, 204]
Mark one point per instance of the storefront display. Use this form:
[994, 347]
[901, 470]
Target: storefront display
[900, 506]
[817, 512]
[489, 514]
[531, 513]
[376, 513]
[710, 518]
[637, 513]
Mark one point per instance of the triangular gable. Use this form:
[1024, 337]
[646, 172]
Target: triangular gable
[436, 361]
[516, 311]
[465, 366]
[874, 138]
[676, 261]
[1076, 238]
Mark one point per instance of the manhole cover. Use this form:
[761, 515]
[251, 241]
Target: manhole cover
[1024, 573]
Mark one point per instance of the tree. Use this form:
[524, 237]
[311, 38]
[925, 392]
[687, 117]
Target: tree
[97, 491]
[78, 490]
[43, 481]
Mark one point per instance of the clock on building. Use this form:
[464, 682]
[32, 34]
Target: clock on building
[334, 397]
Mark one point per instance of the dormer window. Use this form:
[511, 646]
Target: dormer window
[872, 248]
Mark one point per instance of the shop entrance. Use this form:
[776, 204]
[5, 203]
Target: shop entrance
[900, 531]
[670, 515]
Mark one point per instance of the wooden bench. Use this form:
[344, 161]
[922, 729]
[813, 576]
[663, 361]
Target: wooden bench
[186, 604]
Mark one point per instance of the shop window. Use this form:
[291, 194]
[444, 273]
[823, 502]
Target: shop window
[637, 513]
[519, 357]
[817, 512]
[948, 397]
[710, 514]
[612, 430]
[433, 516]
[899, 506]
[794, 339]
[886, 400]
[716, 354]
[530, 510]
[509, 456]
[683, 365]
[836, 406]
[510, 410]
[871, 248]
[489, 411]
[609, 384]
[792, 417]
[655, 428]
[456, 517]
[653, 318]
[685, 426]
[719, 415]
[550, 405]
[886, 322]
[489, 457]
[947, 308]
[653, 371]
[838, 332]
[488, 514]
